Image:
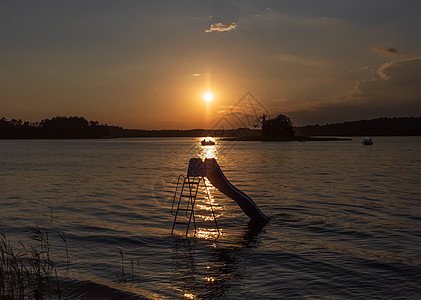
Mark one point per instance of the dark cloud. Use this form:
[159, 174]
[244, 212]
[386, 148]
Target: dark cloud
[224, 11]
[390, 51]
[224, 15]
[395, 90]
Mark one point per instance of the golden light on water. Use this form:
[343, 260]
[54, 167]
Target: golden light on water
[205, 205]
[207, 233]
[208, 151]
[189, 296]
[207, 215]
[205, 219]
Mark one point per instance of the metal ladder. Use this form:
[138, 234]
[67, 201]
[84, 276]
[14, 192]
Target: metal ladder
[189, 189]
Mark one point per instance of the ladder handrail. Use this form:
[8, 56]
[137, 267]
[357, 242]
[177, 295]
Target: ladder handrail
[192, 183]
[175, 193]
[192, 198]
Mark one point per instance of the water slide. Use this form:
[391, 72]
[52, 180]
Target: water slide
[210, 169]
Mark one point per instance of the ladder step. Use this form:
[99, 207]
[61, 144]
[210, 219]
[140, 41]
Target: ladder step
[186, 209]
[183, 223]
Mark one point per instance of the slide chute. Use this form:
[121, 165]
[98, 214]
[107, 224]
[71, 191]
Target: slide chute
[211, 170]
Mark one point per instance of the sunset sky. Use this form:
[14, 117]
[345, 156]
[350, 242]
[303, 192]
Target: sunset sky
[147, 64]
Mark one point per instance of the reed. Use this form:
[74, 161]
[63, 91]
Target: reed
[126, 277]
[123, 274]
[28, 272]
[62, 236]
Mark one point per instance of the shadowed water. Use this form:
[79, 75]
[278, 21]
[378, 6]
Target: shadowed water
[345, 218]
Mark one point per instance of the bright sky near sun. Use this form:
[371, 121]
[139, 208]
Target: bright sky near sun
[148, 64]
[208, 96]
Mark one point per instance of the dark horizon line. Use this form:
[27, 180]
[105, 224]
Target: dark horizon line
[192, 129]
[299, 126]
[79, 127]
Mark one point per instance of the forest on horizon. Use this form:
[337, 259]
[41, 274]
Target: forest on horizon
[79, 128]
[398, 126]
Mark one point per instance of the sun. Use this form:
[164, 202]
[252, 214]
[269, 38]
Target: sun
[208, 97]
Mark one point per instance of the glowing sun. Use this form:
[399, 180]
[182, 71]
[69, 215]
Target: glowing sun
[208, 96]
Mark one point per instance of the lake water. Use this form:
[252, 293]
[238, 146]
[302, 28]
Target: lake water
[345, 218]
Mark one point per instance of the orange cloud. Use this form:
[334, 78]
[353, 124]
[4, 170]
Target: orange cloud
[222, 27]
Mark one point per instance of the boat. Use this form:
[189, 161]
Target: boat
[207, 142]
[367, 141]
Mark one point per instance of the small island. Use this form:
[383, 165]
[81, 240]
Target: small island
[280, 128]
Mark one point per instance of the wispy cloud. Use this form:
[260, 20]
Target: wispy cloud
[280, 100]
[222, 27]
[272, 17]
[390, 51]
[299, 60]
[382, 72]
[392, 75]
[230, 110]
[395, 90]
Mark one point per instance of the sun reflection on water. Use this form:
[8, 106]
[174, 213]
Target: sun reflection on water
[189, 296]
[211, 277]
[207, 151]
[208, 233]
[206, 211]
[205, 217]
[206, 206]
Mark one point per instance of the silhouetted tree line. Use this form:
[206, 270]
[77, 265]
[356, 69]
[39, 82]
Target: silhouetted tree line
[403, 126]
[276, 127]
[55, 128]
[79, 128]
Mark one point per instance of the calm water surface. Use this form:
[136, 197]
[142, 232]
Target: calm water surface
[345, 218]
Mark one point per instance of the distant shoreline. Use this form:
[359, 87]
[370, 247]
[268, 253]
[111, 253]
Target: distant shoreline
[290, 139]
[80, 128]
[233, 139]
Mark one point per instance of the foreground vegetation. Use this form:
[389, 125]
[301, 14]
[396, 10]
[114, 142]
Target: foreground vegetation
[28, 272]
